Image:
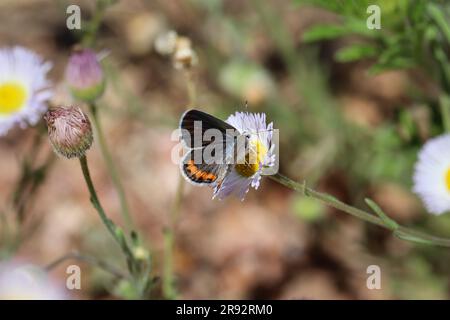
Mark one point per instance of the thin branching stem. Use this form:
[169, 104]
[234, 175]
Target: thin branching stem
[381, 220]
[190, 86]
[111, 168]
[88, 259]
[168, 282]
[94, 24]
[115, 232]
[94, 198]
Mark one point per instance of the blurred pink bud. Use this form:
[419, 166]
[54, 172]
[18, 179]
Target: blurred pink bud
[84, 75]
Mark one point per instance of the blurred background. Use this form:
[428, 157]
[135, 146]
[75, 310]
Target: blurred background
[353, 107]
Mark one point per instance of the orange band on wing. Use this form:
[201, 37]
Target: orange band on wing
[191, 167]
[199, 175]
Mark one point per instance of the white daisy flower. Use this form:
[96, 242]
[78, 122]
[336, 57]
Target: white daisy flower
[432, 175]
[27, 282]
[250, 164]
[24, 88]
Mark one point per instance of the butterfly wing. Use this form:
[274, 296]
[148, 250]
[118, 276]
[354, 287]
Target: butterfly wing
[213, 163]
[194, 123]
[202, 173]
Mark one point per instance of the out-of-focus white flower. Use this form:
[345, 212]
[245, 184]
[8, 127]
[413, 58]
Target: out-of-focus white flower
[179, 48]
[142, 30]
[166, 43]
[432, 175]
[250, 164]
[24, 88]
[27, 282]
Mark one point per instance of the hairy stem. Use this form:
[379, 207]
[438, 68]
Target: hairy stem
[94, 198]
[115, 232]
[111, 168]
[94, 24]
[381, 220]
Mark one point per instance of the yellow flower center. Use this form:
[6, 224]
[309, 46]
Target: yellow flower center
[12, 97]
[447, 179]
[253, 158]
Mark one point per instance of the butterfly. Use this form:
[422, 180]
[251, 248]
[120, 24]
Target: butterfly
[207, 160]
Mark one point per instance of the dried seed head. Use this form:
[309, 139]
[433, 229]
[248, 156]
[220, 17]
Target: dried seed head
[69, 130]
[184, 57]
[84, 75]
[179, 48]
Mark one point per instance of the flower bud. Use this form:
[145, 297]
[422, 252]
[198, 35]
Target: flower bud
[84, 75]
[140, 253]
[69, 130]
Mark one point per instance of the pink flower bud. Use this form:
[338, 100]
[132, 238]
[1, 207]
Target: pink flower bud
[84, 75]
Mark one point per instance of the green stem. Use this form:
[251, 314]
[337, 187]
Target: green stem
[139, 277]
[169, 289]
[168, 280]
[88, 259]
[169, 243]
[30, 177]
[115, 232]
[444, 103]
[31, 184]
[190, 86]
[94, 25]
[111, 168]
[399, 231]
[438, 15]
[94, 198]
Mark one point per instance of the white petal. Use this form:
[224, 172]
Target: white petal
[26, 67]
[430, 174]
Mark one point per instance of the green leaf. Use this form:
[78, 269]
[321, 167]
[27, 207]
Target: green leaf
[431, 33]
[395, 63]
[324, 32]
[350, 26]
[438, 15]
[355, 52]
